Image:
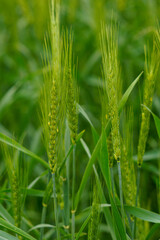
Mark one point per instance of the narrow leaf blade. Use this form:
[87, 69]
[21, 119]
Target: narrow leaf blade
[11, 142]
[156, 120]
[16, 230]
[6, 236]
[143, 214]
[128, 92]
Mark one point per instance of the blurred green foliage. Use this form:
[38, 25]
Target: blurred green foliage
[23, 25]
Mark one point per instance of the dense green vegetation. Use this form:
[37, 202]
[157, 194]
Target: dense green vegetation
[79, 119]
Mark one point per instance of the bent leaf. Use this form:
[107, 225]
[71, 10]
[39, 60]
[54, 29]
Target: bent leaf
[4, 213]
[106, 210]
[85, 115]
[87, 172]
[98, 145]
[41, 226]
[104, 164]
[69, 151]
[156, 120]
[128, 92]
[83, 226]
[11, 142]
[16, 230]
[153, 230]
[6, 236]
[143, 214]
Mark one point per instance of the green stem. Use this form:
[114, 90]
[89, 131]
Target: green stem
[137, 196]
[112, 182]
[66, 183]
[66, 205]
[132, 228]
[73, 192]
[43, 219]
[73, 224]
[55, 206]
[121, 193]
[138, 184]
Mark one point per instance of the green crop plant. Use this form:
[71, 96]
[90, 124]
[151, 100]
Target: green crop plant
[128, 169]
[95, 217]
[15, 173]
[151, 69]
[80, 85]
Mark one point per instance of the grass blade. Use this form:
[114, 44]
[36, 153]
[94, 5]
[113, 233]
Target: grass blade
[104, 164]
[4, 213]
[6, 236]
[143, 214]
[150, 155]
[98, 145]
[128, 92]
[156, 120]
[16, 230]
[31, 185]
[87, 172]
[82, 227]
[106, 211]
[44, 225]
[11, 142]
[153, 230]
[85, 115]
[157, 123]
[70, 151]
[8, 98]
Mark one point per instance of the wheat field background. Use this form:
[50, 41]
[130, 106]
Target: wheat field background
[79, 119]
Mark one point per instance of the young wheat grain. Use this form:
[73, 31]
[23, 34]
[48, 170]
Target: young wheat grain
[14, 179]
[151, 69]
[51, 106]
[95, 217]
[109, 49]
